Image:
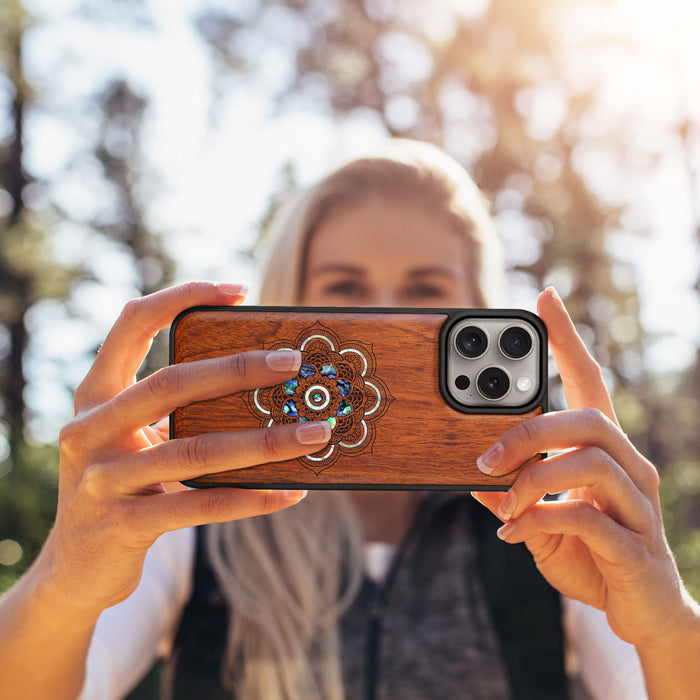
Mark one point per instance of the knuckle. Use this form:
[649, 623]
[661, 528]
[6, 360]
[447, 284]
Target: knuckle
[93, 481]
[652, 476]
[195, 453]
[80, 396]
[600, 460]
[267, 502]
[650, 516]
[132, 309]
[529, 431]
[527, 480]
[590, 373]
[650, 480]
[134, 316]
[122, 516]
[192, 288]
[585, 515]
[239, 365]
[594, 370]
[638, 547]
[71, 439]
[217, 507]
[595, 417]
[165, 381]
[269, 443]
[66, 437]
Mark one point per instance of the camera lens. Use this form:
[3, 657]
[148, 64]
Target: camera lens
[462, 382]
[471, 342]
[515, 342]
[493, 383]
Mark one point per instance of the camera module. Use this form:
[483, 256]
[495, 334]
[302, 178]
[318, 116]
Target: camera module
[471, 342]
[493, 383]
[515, 342]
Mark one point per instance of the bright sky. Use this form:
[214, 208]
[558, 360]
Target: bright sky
[215, 176]
[646, 87]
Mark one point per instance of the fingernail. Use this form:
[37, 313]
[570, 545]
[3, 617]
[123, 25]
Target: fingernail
[491, 458]
[505, 530]
[555, 295]
[294, 495]
[283, 360]
[232, 290]
[314, 432]
[507, 508]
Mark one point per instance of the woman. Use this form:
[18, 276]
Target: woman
[405, 229]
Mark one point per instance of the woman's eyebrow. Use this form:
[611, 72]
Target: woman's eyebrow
[339, 268]
[436, 270]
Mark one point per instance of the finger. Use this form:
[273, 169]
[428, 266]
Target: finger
[580, 374]
[490, 499]
[590, 468]
[606, 538]
[580, 581]
[187, 458]
[159, 431]
[583, 427]
[543, 545]
[130, 338]
[172, 511]
[179, 385]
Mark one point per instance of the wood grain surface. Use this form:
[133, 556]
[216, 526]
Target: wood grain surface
[419, 441]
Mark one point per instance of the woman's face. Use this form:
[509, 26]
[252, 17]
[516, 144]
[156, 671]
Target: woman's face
[386, 252]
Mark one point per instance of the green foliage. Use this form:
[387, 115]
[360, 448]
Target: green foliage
[28, 493]
[680, 492]
[661, 419]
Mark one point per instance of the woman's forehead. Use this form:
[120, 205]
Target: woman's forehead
[385, 228]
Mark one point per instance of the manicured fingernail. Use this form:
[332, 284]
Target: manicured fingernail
[505, 530]
[294, 495]
[232, 290]
[283, 360]
[491, 458]
[313, 433]
[507, 508]
[555, 295]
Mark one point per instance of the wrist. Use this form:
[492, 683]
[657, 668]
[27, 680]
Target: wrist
[670, 662]
[55, 593]
[44, 637]
[682, 636]
[60, 606]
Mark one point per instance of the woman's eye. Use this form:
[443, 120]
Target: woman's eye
[348, 289]
[426, 291]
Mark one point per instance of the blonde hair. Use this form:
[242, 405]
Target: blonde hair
[288, 577]
[432, 178]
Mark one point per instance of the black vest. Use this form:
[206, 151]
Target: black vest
[523, 609]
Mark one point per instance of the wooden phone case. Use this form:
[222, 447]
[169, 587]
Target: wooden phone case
[375, 373]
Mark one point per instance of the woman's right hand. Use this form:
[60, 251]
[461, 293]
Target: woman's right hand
[112, 504]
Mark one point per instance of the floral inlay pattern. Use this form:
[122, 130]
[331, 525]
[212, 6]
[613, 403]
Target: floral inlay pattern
[337, 382]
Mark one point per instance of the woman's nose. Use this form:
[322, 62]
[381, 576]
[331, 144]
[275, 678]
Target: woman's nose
[383, 297]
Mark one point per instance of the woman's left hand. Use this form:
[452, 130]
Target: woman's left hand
[603, 542]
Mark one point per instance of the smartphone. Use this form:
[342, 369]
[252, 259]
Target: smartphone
[413, 396]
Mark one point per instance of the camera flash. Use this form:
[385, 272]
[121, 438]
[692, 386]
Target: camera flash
[524, 383]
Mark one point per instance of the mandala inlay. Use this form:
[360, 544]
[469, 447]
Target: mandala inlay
[337, 382]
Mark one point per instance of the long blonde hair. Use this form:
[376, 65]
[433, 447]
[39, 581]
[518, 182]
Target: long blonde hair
[288, 577]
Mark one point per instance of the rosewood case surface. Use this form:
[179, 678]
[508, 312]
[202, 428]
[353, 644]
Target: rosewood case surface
[378, 375]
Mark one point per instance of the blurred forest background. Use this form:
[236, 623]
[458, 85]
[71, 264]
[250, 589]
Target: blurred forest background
[579, 118]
